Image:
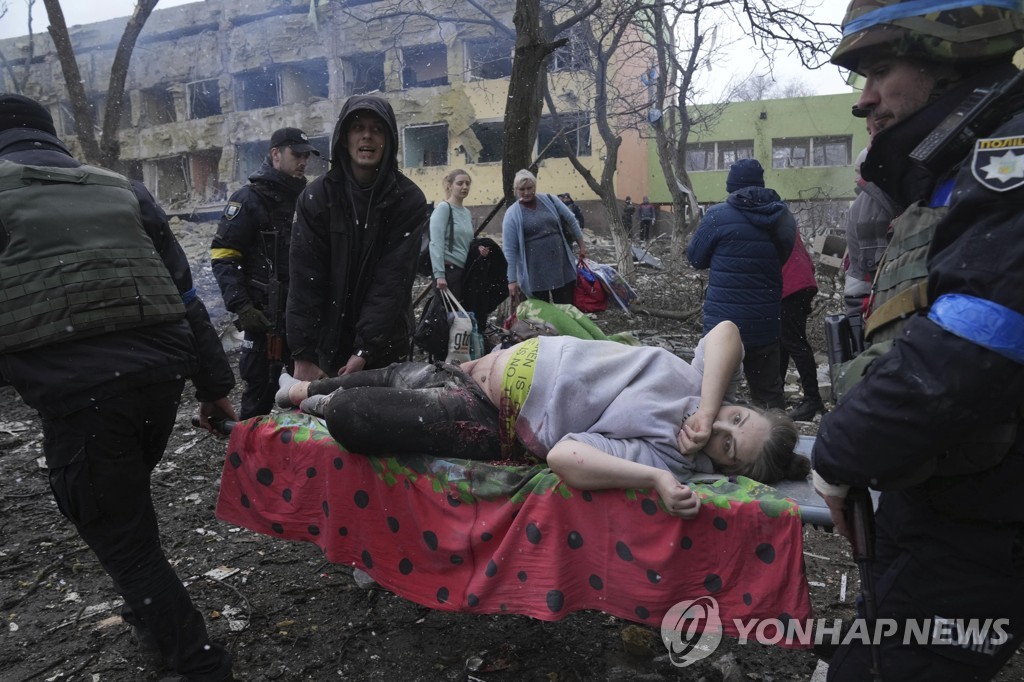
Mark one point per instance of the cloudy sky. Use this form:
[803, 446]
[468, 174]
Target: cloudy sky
[826, 80]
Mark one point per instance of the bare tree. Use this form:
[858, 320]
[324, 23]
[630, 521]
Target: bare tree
[762, 86]
[106, 151]
[18, 84]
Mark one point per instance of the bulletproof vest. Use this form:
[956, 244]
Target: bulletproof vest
[77, 261]
[900, 283]
[874, 212]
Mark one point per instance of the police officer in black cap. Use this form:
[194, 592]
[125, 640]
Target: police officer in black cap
[250, 261]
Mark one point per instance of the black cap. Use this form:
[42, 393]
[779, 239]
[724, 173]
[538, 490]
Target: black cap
[18, 111]
[294, 138]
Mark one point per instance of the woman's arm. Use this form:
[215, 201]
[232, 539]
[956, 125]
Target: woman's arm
[587, 468]
[723, 352]
[438, 239]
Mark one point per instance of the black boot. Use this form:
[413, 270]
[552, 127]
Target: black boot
[805, 410]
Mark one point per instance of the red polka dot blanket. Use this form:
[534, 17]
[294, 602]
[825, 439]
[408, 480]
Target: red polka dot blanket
[486, 538]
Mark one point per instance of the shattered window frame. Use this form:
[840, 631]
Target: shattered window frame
[202, 103]
[488, 58]
[700, 157]
[812, 152]
[425, 146]
[364, 73]
[434, 57]
[156, 106]
[835, 150]
[491, 136]
[577, 133]
[573, 56]
[731, 151]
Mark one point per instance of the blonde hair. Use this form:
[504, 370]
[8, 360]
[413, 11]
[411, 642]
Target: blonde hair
[523, 176]
[449, 179]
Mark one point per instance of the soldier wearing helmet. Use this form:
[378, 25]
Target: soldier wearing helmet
[932, 414]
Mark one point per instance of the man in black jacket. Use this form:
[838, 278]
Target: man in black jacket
[935, 420]
[99, 328]
[354, 249]
[249, 256]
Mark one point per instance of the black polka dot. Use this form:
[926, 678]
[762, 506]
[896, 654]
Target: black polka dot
[473, 600]
[649, 506]
[533, 534]
[343, 531]
[643, 613]
[596, 582]
[338, 463]
[486, 537]
[556, 600]
[405, 566]
[311, 472]
[622, 549]
[442, 595]
[522, 576]
[713, 583]
[287, 494]
[587, 496]
[456, 560]
[235, 459]
[430, 538]
[367, 559]
[314, 530]
[326, 507]
[492, 569]
[686, 543]
[719, 523]
[265, 476]
[393, 524]
[747, 599]
[362, 498]
[286, 437]
[653, 576]
[245, 501]
[765, 552]
[277, 528]
[575, 540]
[454, 501]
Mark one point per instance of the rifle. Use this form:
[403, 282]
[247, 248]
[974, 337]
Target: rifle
[844, 341]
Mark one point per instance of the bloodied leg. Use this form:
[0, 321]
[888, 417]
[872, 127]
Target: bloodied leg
[411, 408]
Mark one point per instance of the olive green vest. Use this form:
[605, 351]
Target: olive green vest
[78, 261]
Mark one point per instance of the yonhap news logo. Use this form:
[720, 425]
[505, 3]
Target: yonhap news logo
[691, 630]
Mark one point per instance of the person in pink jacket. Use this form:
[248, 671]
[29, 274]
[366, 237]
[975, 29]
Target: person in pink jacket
[798, 290]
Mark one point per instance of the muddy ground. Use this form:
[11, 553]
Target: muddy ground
[288, 614]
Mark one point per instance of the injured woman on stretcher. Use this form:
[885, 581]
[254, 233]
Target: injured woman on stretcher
[601, 414]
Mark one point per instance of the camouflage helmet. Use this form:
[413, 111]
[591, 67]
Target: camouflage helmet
[942, 30]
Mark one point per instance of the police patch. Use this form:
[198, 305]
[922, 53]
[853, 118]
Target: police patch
[998, 163]
[232, 209]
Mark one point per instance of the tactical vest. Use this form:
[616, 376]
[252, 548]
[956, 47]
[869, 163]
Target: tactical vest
[871, 221]
[78, 261]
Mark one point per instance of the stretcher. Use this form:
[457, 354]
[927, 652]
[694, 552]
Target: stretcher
[489, 538]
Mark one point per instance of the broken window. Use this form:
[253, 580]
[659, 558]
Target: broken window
[731, 152]
[577, 134]
[157, 107]
[492, 140]
[256, 89]
[364, 73]
[831, 151]
[425, 66]
[302, 82]
[488, 58]
[700, 157]
[203, 99]
[426, 145]
[572, 56]
[798, 152]
[248, 158]
[167, 179]
[203, 176]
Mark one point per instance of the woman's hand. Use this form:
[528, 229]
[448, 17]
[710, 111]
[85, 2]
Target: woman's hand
[513, 291]
[485, 251]
[695, 432]
[679, 499]
[441, 283]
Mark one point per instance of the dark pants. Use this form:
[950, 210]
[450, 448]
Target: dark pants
[795, 309]
[645, 229]
[259, 373]
[761, 368]
[930, 567]
[100, 461]
[562, 294]
[455, 276]
[411, 408]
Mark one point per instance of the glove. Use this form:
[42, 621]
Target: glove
[252, 320]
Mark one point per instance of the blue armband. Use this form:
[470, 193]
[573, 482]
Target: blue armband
[189, 296]
[982, 322]
[913, 8]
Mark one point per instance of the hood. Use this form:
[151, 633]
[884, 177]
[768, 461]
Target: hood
[266, 173]
[340, 168]
[760, 205]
